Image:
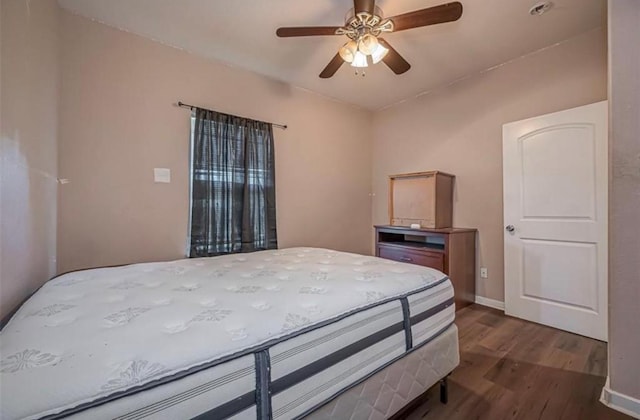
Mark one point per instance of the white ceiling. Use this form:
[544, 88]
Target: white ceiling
[242, 33]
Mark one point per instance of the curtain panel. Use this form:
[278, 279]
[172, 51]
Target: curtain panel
[233, 200]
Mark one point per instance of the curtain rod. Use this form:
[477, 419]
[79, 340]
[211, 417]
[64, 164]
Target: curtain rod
[192, 107]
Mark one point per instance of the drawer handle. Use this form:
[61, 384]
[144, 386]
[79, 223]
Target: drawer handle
[407, 259]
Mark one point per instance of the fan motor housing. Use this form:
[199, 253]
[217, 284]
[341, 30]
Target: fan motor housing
[357, 25]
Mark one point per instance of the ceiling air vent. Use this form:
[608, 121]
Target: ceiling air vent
[540, 8]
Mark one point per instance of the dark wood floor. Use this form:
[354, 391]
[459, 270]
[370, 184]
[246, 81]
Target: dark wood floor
[514, 369]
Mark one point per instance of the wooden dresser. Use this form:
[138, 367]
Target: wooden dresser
[450, 250]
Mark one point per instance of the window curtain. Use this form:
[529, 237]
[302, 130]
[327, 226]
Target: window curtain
[233, 201]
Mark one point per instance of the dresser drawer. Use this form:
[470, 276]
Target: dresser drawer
[419, 257]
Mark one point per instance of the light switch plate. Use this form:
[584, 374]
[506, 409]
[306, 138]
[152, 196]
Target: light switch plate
[484, 273]
[162, 175]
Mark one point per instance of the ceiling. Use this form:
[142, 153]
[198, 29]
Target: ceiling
[242, 33]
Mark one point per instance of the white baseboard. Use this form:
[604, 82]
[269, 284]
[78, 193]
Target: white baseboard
[620, 402]
[491, 303]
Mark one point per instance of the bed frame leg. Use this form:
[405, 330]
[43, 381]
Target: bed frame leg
[444, 390]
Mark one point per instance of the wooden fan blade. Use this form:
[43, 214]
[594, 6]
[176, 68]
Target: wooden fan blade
[425, 17]
[364, 6]
[307, 31]
[393, 59]
[332, 67]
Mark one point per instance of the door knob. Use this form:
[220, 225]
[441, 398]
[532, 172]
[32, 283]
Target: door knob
[510, 228]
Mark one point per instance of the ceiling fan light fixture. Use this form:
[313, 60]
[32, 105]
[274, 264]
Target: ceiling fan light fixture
[368, 44]
[378, 54]
[348, 51]
[365, 26]
[359, 60]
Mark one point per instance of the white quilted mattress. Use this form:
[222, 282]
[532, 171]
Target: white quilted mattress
[91, 336]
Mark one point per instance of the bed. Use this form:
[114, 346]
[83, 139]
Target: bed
[294, 333]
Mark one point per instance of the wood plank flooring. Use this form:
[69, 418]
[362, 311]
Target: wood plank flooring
[514, 369]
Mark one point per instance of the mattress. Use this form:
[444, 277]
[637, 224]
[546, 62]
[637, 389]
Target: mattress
[272, 333]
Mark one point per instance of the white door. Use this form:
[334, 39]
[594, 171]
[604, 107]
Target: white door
[555, 216]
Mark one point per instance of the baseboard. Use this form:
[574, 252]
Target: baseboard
[491, 303]
[620, 402]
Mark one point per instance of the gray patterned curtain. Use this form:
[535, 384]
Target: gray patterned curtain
[233, 196]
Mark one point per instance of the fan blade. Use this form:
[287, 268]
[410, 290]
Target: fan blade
[393, 59]
[307, 31]
[332, 67]
[364, 6]
[425, 17]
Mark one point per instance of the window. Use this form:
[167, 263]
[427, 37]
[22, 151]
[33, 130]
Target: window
[232, 185]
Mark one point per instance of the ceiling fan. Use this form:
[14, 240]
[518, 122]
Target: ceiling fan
[364, 25]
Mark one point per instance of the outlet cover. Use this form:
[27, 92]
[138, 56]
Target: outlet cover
[162, 175]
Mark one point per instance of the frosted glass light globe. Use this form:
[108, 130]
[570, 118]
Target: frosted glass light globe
[379, 53]
[348, 51]
[360, 60]
[368, 44]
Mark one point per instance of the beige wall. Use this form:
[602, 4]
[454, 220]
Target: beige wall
[624, 197]
[118, 121]
[28, 186]
[458, 129]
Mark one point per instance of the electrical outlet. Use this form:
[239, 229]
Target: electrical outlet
[484, 273]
